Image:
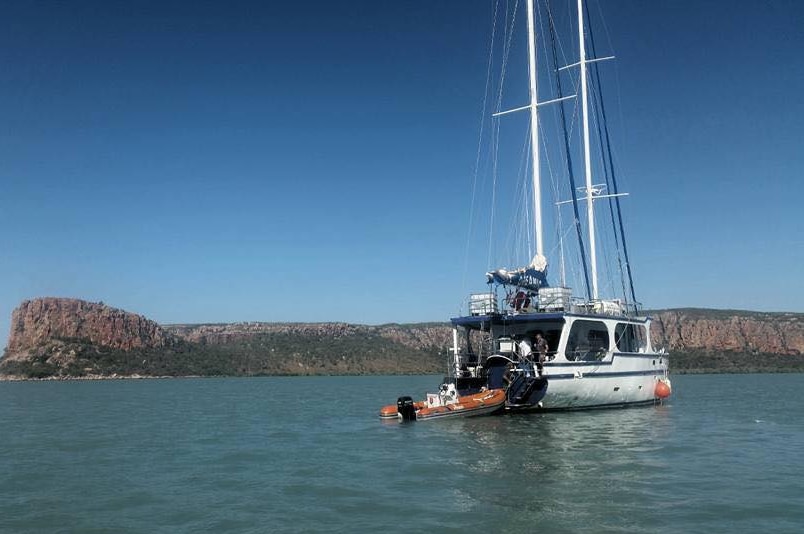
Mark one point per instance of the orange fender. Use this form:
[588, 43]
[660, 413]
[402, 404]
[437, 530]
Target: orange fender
[663, 388]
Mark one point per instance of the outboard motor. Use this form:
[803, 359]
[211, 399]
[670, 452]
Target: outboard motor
[405, 408]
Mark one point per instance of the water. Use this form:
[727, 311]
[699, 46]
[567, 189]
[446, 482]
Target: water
[310, 455]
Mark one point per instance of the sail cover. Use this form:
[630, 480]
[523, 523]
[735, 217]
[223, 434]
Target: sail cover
[532, 277]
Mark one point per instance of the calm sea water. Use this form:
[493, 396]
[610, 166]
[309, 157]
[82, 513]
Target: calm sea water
[309, 454]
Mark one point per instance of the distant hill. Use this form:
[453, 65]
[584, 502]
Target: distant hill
[69, 338]
[53, 337]
[710, 341]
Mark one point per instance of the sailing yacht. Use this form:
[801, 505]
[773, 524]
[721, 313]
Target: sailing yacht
[592, 351]
[545, 346]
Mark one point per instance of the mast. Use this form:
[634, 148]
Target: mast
[590, 210]
[534, 132]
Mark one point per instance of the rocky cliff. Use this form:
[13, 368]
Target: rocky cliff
[54, 337]
[69, 337]
[42, 320]
[679, 330]
[729, 331]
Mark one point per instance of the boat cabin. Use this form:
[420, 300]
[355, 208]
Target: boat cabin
[488, 338]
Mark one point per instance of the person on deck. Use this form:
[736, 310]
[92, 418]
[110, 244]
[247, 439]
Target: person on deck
[541, 351]
[525, 349]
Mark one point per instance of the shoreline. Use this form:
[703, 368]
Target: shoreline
[17, 378]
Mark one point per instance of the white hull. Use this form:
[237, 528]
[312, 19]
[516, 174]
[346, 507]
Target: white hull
[592, 361]
[627, 379]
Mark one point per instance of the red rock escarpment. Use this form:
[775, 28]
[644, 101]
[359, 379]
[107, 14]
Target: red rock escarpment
[676, 330]
[725, 330]
[41, 320]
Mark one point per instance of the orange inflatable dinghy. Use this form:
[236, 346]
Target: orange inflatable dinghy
[444, 404]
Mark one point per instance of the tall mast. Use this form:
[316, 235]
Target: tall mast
[534, 132]
[590, 210]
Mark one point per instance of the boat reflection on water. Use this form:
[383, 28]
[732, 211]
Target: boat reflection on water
[558, 446]
[556, 469]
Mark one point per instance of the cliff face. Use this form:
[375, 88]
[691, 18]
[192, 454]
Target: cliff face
[39, 321]
[68, 337]
[734, 331]
[53, 337]
[677, 330]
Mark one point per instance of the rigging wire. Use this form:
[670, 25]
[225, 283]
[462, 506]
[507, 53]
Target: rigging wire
[610, 199]
[507, 40]
[521, 212]
[518, 235]
[557, 248]
[607, 274]
[483, 114]
[568, 155]
[492, 130]
[596, 76]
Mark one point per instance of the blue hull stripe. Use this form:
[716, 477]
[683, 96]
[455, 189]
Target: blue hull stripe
[615, 355]
[565, 376]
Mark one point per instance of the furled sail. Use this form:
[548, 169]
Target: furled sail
[534, 276]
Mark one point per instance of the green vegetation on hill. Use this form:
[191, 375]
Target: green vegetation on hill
[278, 355]
[262, 354]
[699, 362]
[60, 358]
[326, 350]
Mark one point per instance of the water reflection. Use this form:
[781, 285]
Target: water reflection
[540, 467]
[633, 428]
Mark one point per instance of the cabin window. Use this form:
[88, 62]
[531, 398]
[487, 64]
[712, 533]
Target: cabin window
[630, 337]
[550, 331]
[588, 341]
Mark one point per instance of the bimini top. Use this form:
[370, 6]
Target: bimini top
[479, 321]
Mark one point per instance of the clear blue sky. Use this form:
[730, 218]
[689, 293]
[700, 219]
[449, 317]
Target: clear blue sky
[313, 161]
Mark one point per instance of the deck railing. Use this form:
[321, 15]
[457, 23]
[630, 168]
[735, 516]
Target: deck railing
[550, 300]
